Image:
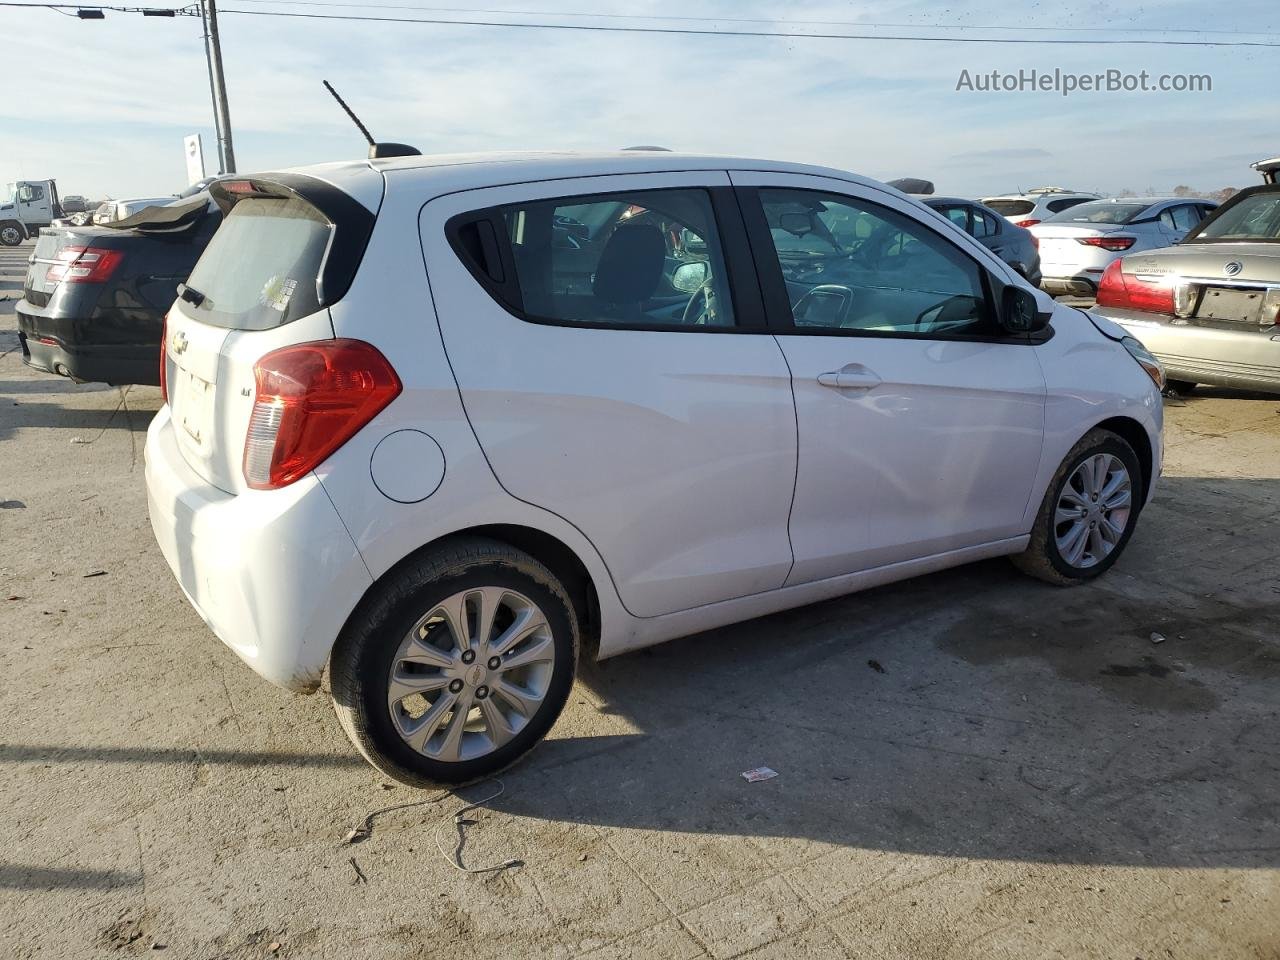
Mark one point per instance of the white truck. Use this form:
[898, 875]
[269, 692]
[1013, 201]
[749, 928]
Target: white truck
[27, 206]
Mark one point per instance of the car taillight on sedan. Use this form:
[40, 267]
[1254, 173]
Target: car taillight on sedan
[1108, 243]
[84, 265]
[309, 400]
[1131, 291]
[1028, 222]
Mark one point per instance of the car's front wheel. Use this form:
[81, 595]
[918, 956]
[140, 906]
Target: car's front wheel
[1088, 513]
[457, 665]
[11, 234]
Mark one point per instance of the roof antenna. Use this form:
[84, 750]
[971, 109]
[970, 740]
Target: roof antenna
[377, 151]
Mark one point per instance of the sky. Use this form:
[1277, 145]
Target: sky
[103, 106]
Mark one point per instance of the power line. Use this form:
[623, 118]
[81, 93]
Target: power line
[776, 20]
[682, 31]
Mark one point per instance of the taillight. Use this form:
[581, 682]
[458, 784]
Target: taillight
[1108, 243]
[84, 265]
[164, 360]
[310, 399]
[1029, 222]
[1132, 292]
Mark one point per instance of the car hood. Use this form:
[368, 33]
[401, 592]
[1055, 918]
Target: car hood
[1209, 261]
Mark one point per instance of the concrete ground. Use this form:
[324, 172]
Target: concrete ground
[971, 764]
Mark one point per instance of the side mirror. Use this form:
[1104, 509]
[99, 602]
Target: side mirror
[1020, 311]
[688, 277]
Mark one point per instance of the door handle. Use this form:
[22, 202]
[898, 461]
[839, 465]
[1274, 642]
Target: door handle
[853, 376]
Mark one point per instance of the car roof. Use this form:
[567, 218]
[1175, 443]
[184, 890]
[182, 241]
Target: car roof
[446, 173]
[931, 199]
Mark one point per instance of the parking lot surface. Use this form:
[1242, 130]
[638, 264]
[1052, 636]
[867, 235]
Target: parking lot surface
[971, 764]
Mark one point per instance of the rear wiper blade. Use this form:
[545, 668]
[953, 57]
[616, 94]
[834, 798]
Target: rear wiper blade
[191, 295]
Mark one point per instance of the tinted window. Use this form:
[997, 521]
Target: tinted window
[1010, 208]
[1182, 217]
[646, 258]
[1100, 211]
[957, 215]
[984, 224]
[851, 265]
[1057, 206]
[1254, 218]
[261, 267]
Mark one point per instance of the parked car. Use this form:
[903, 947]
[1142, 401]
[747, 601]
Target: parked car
[441, 424]
[1209, 307]
[112, 210]
[1079, 243]
[74, 203]
[1016, 246]
[94, 298]
[1028, 209]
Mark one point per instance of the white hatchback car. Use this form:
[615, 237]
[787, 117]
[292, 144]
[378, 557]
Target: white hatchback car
[1079, 243]
[440, 423]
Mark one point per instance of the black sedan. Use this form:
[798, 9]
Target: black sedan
[1016, 246]
[94, 300]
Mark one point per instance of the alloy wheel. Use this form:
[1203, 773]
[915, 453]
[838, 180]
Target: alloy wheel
[471, 673]
[1093, 510]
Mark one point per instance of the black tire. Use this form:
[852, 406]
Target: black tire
[1180, 387]
[364, 655]
[12, 233]
[1042, 558]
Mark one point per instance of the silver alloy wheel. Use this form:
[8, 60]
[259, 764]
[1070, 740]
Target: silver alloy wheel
[1093, 510]
[10, 236]
[471, 674]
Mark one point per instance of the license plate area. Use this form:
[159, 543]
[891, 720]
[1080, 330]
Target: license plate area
[1230, 304]
[194, 408]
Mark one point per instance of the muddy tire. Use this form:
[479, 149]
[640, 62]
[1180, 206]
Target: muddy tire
[456, 665]
[1088, 513]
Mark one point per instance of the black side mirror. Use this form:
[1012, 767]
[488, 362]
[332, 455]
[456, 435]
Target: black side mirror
[1020, 311]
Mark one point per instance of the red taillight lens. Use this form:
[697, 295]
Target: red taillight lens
[1131, 292]
[84, 265]
[1108, 243]
[310, 399]
[1029, 222]
[164, 360]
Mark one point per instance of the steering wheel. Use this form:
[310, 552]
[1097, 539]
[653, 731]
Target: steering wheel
[704, 296]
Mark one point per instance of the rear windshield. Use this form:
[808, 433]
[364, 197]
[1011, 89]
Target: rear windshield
[1255, 218]
[261, 268]
[1010, 208]
[1095, 212]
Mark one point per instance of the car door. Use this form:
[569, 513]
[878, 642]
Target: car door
[920, 422]
[610, 347]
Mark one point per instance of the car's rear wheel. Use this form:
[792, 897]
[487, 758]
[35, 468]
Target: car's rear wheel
[11, 234]
[1180, 387]
[457, 665]
[1088, 513]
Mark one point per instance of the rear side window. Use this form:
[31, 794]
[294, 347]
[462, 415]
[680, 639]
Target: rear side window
[649, 258]
[262, 267]
[984, 224]
[1057, 206]
[1010, 208]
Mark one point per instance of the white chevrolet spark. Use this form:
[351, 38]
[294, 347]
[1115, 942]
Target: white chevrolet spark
[439, 424]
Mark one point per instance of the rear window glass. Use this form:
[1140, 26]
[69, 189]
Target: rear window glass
[1010, 208]
[1256, 218]
[1099, 212]
[261, 268]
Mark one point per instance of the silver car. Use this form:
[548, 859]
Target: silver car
[1209, 307]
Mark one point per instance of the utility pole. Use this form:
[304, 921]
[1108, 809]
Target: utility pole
[221, 113]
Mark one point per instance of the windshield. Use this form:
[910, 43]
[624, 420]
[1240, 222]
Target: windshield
[1010, 208]
[261, 268]
[1254, 218]
[1099, 212]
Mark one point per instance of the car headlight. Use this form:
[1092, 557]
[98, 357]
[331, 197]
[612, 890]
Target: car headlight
[1146, 359]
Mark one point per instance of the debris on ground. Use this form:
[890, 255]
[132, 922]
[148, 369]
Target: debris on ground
[759, 773]
[1157, 638]
[360, 877]
[12, 505]
[95, 573]
[876, 666]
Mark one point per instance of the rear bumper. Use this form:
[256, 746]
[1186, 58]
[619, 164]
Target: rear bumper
[1084, 284]
[273, 573]
[1245, 359]
[56, 345]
